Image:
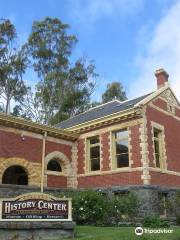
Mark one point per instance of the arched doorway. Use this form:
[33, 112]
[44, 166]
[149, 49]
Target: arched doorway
[15, 175]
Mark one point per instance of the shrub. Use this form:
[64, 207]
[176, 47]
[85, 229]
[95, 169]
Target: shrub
[155, 222]
[91, 207]
[174, 206]
[125, 207]
[177, 208]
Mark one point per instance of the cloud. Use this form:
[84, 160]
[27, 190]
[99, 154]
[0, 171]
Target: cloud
[162, 50]
[88, 12]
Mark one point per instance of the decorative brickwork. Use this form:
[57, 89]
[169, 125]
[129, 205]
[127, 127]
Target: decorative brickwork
[105, 151]
[73, 178]
[130, 147]
[134, 146]
[144, 149]
[65, 165]
[169, 97]
[81, 156]
[33, 170]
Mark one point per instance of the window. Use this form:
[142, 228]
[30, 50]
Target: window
[162, 204]
[158, 148]
[120, 195]
[94, 153]
[15, 175]
[121, 148]
[54, 165]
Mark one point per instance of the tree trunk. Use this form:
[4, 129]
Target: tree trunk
[7, 110]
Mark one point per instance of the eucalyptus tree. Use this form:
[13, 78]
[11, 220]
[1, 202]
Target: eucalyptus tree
[113, 91]
[64, 87]
[13, 63]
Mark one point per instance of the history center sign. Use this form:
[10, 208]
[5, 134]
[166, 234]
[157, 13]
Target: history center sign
[36, 207]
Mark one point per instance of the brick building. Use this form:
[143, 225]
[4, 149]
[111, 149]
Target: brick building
[117, 147]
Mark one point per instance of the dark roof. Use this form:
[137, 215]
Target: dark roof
[100, 111]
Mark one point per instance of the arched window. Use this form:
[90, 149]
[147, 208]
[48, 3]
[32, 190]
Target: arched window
[54, 165]
[15, 175]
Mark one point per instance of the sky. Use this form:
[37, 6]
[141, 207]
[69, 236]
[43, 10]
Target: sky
[127, 39]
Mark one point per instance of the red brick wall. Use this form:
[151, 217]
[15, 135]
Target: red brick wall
[177, 111]
[135, 145]
[81, 156]
[111, 179]
[52, 146]
[164, 179]
[118, 179]
[57, 181]
[12, 145]
[160, 103]
[105, 145]
[172, 141]
[172, 137]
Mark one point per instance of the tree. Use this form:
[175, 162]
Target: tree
[78, 91]
[29, 107]
[63, 88]
[13, 64]
[114, 91]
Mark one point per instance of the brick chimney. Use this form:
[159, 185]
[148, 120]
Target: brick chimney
[162, 77]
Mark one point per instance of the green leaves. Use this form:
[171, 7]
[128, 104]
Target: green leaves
[64, 88]
[13, 64]
[97, 208]
[114, 91]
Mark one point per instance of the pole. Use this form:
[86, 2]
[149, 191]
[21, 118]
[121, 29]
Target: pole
[43, 160]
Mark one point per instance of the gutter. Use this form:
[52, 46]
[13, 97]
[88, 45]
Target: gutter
[131, 111]
[20, 123]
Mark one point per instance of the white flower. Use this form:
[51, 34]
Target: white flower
[81, 208]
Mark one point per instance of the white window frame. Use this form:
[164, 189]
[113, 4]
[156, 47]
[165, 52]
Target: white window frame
[88, 147]
[114, 140]
[162, 148]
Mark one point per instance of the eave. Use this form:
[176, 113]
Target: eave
[105, 121]
[153, 96]
[20, 123]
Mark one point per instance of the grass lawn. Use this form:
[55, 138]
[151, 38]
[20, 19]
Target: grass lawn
[124, 233]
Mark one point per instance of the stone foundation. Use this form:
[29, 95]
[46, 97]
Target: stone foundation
[148, 196]
[36, 230]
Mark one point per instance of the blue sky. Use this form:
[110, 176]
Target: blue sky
[127, 39]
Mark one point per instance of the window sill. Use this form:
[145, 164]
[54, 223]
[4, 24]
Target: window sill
[162, 170]
[113, 171]
[94, 173]
[54, 173]
[121, 169]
